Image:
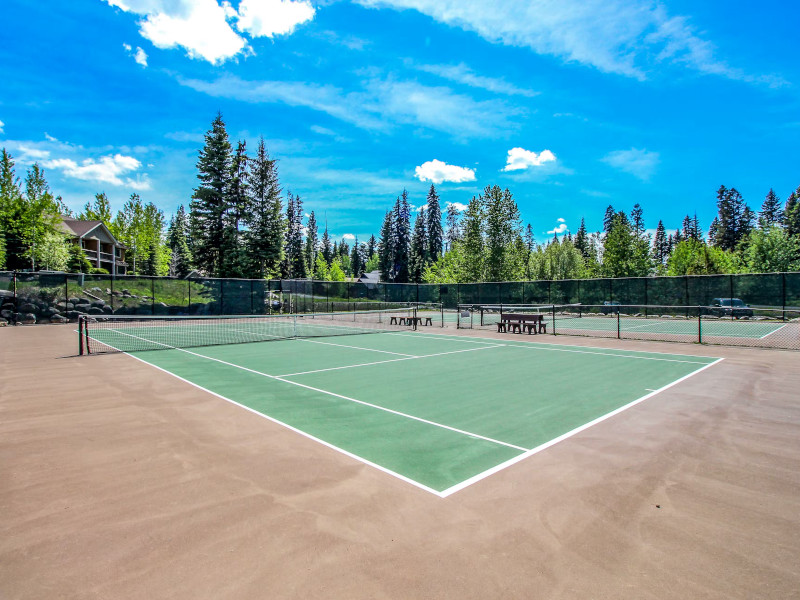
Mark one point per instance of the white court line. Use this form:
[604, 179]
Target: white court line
[308, 387]
[391, 360]
[355, 347]
[569, 434]
[776, 331]
[545, 346]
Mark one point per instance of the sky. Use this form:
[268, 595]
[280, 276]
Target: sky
[571, 104]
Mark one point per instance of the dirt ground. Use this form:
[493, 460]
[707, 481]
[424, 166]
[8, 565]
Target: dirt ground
[121, 481]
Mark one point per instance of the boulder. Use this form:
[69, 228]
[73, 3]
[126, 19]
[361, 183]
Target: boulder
[74, 300]
[29, 319]
[27, 307]
[57, 318]
[6, 314]
[73, 314]
[95, 310]
[99, 303]
[108, 310]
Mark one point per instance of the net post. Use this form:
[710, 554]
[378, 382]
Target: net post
[441, 308]
[619, 336]
[554, 319]
[294, 326]
[80, 336]
[414, 314]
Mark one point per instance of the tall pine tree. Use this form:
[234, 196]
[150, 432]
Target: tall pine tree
[771, 211]
[433, 226]
[210, 200]
[264, 216]
[418, 258]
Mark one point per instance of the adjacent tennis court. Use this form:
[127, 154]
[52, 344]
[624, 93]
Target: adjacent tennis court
[440, 412]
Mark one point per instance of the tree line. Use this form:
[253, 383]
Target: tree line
[239, 223]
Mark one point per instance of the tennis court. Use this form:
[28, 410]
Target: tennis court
[440, 412]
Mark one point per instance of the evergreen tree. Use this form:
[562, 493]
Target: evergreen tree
[433, 226]
[625, 254]
[327, 250]
[372, 247]
[637, 220]
[312, 243]
[418, 257]
[471, 243]
[453, 228]
[385, 255]
[294, 264]
[734, 219]
[771, 211]
[356, 264]
[608, 219]
[238, 201]
[792, 213]
[264, 216]
[401, 238]
[77, 261]
[661, 244]
[180, 264]
[503, 227]
[582, 240]
[13, 215]
[210, 200]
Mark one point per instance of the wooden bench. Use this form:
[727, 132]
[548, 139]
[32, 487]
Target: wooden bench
[519, 323]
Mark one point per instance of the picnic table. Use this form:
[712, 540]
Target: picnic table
[411, 320]
[519, 323]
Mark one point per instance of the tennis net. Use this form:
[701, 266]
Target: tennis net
[102, 334]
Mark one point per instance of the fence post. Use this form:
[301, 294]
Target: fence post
[645, 298]
[153, 296]
[699, 326]
[111, 298]
[783, 293]
[252, 305]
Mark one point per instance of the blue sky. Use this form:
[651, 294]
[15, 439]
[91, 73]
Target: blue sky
[572, 104]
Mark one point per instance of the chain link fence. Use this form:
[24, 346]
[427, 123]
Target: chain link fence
[59, 297]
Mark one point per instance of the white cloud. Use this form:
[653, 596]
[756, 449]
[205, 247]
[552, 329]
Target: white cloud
[519, 158]
[461, 73]
[639, 163]
[458, 206]
[380, 104]
[561, 227]
[436, 171]
[106, 169]
[140, 56]
[627, 37]
[203, 28]
[272, 17]
[348, 236]
[199, 26]
[1, 126]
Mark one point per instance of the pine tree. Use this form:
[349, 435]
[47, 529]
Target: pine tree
[294, 263]
[312, 243]
[582, 240]
[238, 201]
[771, 211]
[402, 238]
[356, 264]
[372, 246]
[433, 226]
[734, 219]
[637, 220]
[792, 213]
[418, 258]
[210, 200]
[453, 228]
[608, 219]
[385, 250]
[180, 264]
[471, 242]
[661, 248]
[502, 228]
[264, 216]
[326, 249]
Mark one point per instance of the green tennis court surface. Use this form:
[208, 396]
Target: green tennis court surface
[688, 327]
[440, 412]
